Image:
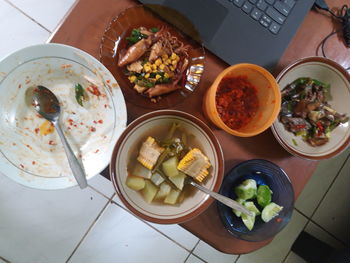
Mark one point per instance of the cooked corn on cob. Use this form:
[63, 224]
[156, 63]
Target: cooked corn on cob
[195, 164]
[149, 153]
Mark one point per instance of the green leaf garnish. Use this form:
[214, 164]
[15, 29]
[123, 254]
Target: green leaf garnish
[154, 29]
[135, 36]
[79, 94]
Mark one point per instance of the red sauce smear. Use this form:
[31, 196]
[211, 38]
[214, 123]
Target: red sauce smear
[236, 101]
[94, 90]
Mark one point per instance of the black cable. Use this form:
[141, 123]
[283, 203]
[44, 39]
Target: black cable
[344, 17]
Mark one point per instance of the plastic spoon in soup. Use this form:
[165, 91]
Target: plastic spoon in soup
[47, 105]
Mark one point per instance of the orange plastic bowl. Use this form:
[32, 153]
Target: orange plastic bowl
[268, 93]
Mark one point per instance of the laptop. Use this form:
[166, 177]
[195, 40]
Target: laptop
[244, 31]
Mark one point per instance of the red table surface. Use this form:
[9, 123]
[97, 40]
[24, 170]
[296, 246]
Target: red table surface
[83, 28]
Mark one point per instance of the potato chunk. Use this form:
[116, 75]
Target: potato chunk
[163, 192]
[149, 191]
[135, 183]
[169, 167]
[141, 171]
[172, 197]
[178, 180]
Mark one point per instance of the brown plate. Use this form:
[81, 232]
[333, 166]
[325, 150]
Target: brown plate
[113, 41]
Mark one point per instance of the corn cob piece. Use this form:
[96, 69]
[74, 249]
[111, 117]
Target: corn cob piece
[195, 164]
[149, 153]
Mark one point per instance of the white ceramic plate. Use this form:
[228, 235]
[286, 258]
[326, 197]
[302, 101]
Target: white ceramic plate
[326, 71]
[38, 160]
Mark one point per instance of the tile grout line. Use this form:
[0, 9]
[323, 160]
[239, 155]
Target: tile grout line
[318, 205]
[28, 16]
[330, 186]
[307, 223]
[5, 260]
[112, 201]
[322, 228]
[196, 257]
[313, 213]
[284, 260]
[163, 234]
[90, 227]
[99, 192]
[191, 253]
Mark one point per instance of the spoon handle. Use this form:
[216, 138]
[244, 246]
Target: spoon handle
[223, 199]
[77, 170]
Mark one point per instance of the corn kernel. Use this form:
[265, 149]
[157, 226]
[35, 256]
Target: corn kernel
[173, 56]
[158, 76]
[161, 66]
[154, 70]
[167, 62]
[165, 57]
[154, 66]
[158, 62]
[132, 78]
[147, 75]
[172, 68]
[147, 68]
[166, 75]
[174, 62]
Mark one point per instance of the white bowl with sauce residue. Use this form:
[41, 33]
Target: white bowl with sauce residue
[32, 153]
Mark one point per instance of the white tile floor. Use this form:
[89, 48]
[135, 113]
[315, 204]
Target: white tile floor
[87, 226]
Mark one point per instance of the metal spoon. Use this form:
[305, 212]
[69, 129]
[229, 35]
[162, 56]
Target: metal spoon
[47, 105]
[221, 198]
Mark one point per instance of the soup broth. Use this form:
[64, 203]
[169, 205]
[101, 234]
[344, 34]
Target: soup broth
[160, 133]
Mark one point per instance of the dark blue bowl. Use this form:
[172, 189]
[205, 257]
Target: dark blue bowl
[264, 173]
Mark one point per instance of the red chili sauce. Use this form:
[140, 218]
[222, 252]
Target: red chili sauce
[236, 101]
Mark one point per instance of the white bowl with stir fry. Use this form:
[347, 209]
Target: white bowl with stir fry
[153, 158]
[314, 118]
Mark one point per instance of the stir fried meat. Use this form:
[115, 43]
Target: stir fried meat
[306, 112]
[155, 61]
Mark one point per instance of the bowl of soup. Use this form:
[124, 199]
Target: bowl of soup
[154, 156]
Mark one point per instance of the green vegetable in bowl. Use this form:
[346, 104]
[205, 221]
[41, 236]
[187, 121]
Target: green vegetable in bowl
[249, 221]
[261, 196]
[246, 190]
[251, 207]
[270, 211]
[264, 195]
[235, 211]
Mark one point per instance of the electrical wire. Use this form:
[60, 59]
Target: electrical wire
[344, 17]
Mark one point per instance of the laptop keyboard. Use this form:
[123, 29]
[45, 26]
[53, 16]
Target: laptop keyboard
[270, 14]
